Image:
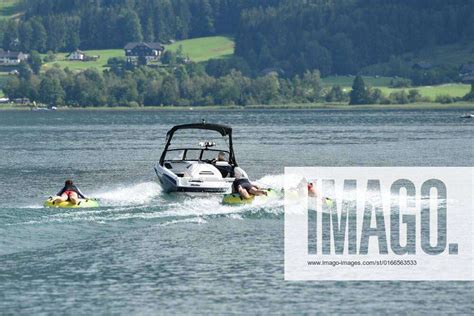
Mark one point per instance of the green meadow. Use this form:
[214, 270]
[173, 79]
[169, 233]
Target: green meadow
[101, 62]
[198, 50]
[452, 89]
[346, 81]
[205, 48]
[382, 83]
[9, 8]
[443, 55]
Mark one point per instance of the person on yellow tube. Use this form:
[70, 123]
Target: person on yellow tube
[70, 192]
[243, 186]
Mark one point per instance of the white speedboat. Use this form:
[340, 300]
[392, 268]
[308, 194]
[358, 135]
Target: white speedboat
[188, 163]
[467, 115]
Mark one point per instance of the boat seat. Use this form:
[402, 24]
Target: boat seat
[224, 168]
[177, 167]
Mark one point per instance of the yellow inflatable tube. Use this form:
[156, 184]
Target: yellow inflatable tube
[83, 203]
[236, 199]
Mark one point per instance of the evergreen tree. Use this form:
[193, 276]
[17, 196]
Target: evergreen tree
[25, 33]
[131, 28]
[12, 88]
[39, 35]
[72, 41]
[51, 91]
[24, 70]
[359, 93]
[470, 95]
[10, 37]
[203, 20]
[56, 32]
[35, 62]
[169, 93]
[148, 34]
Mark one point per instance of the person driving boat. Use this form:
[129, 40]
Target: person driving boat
[222, 165]
[220, 156]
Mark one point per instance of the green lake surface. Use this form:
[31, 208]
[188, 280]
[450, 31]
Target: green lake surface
[146, 252]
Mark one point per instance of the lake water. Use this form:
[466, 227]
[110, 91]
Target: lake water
[147, 252]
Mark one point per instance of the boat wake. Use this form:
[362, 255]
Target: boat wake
[141, 205]
[146, 201]
[135, 194]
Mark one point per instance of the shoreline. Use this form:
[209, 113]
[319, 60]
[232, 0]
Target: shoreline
[308, 106]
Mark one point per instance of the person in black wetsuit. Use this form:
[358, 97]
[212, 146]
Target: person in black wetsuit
[70, 192]
[243, 186]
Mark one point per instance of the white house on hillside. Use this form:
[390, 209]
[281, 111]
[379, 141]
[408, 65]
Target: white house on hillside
[11, 58]
[77, 55]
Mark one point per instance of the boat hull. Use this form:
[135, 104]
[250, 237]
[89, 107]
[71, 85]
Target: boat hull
[171, 183]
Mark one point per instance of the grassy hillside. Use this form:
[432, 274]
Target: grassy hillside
[450, 55]
[453, 90]
[346, 81]
[446, 55]
[198, 50]
[105, 54]
[205, 48]
[9, 8]
[382, 83]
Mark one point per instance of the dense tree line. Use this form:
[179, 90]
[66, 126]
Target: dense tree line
[181, 85]
[342, 36]
[60, 25]
[188, 85]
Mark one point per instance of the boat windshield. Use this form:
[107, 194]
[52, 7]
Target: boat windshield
[197, 145]
[206, 155]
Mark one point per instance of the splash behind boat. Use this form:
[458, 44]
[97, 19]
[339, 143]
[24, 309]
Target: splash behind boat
[272, 195]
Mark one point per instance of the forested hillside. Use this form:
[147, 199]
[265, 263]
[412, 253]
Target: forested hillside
[282, 50]
[59, 25]
[341, 36]
[334, 36]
